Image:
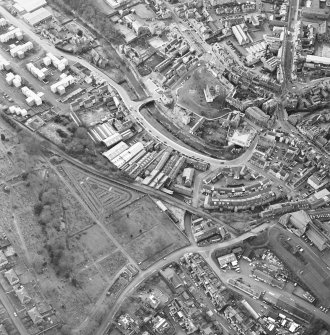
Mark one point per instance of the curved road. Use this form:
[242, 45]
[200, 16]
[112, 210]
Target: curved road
[133, 106]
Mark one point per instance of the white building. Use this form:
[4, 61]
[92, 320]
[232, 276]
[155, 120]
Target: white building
[40, 74]
[39, 16]
[240, 34]
[4, 64]
[31, 5]
[59, 64]
[20, 50]
[11, 34]
[61, 85]
[32, 97]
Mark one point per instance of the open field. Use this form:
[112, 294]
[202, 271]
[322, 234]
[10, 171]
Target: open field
[146, 233]
[100, 196]
[191, 95]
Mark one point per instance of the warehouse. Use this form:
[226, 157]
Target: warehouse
[39, 16]
[317, 60]
[31, 5]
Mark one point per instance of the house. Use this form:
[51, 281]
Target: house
[3, 259]
[35, 315]
[11, 277]
[22, 294]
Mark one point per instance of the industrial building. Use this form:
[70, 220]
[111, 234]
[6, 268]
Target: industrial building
[115, 151]
[60, 86]
[188, 176]
[227, 259]
[31, 5]
[39, 16]
[127, 155]
[240, 34]
[316, 59]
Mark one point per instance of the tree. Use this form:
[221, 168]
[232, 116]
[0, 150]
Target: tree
[37, 209]
[3, 137]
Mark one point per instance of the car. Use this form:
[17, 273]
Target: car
[15, 314]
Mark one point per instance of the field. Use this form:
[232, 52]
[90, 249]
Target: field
[145, 232]
[101, 197]
[191, 95]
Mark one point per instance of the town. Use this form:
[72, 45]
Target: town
[165, 167]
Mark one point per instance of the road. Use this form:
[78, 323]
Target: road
[161, 263]
[132, 106]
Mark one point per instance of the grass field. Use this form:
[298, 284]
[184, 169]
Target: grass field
[191, 95]
[145, 232]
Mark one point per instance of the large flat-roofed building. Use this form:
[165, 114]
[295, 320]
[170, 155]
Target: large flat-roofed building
[318, 60]
[39, 16]
[315, 13]
[116, 3]
[257, 116]
[31, 5]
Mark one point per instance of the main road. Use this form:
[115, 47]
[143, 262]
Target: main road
[132, 106]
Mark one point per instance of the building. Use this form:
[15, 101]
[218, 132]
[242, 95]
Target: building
[22, 294]
[315, 13]
[3, 259]
[62, 84]
[188, 176]
[257, 116]
[20, 50]
[31, 5]
[240, 34]
[317, 60]
[317, 181]
[12, 277]
[11, 34]
[171, 277]
[32, 97]
[320, 241]
[227, 259]
[300, 220]
[116, 3]
[35, 315]
[39, 16]
[242, 139]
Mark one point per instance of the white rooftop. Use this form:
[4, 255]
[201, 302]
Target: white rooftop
[31, 5]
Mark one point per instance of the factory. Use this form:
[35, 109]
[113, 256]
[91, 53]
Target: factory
[39, 16]
[59, 64]
[32, 98]
[60, 86]
[317, 60]
[240, 35]
[20, 50]
[128, 154]
[115, 151]
[30, 5]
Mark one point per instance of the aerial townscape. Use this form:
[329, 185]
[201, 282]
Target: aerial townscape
[164, 167]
